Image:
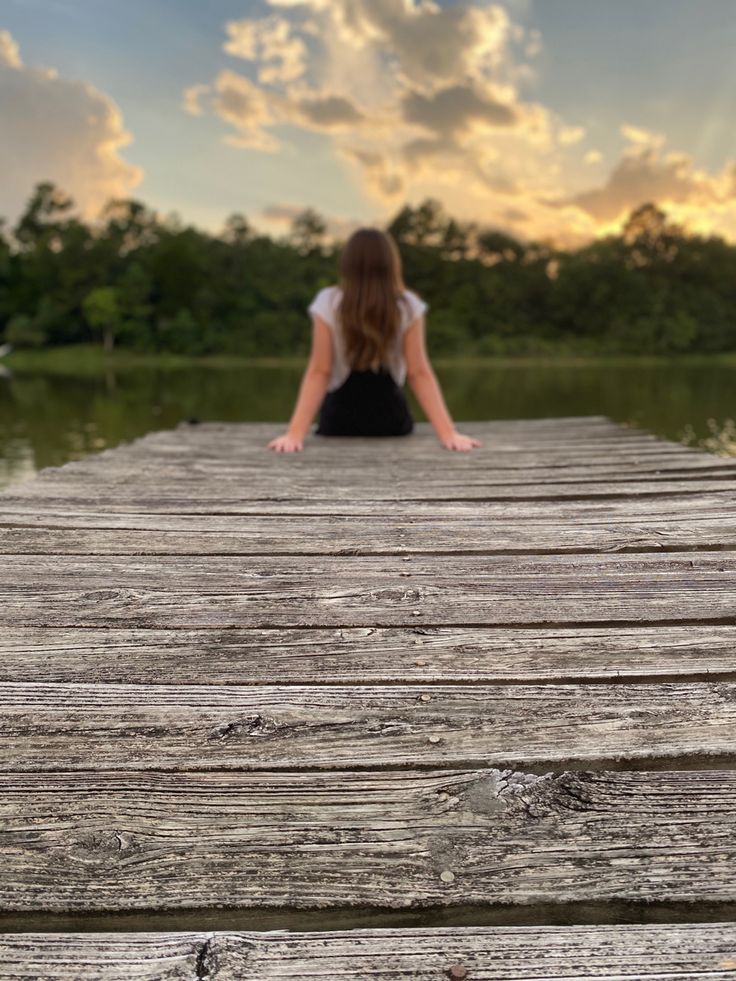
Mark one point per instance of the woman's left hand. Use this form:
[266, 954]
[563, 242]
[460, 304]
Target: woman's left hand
[457, 441]
[286, 444]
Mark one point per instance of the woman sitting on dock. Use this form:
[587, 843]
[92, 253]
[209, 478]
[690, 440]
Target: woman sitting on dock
[367, 338]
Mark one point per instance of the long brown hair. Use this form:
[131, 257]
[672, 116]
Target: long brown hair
[372, 283]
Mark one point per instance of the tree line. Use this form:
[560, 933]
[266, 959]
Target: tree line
[134, 279]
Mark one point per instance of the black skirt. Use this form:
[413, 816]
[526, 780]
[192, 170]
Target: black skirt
[368, 403]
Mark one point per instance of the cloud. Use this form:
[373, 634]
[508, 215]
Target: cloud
[416, 98]
[383, 175]
[641, 137]
[192, 99]
[280, 55]
[455, 108]
[324, 112]
[9, 53]
[281, 214]
[569, 135]
[253, 111]
[646, 174]
[56, 129]
[407, 91]
[247, 108]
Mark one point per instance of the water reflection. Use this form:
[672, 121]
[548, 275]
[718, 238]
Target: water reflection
[47, 419]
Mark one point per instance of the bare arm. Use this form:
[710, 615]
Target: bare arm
[311, 391]
[423, 382]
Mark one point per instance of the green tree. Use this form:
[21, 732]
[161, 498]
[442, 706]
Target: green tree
[24, 331]
[102, 310]
[153, 283]
[308, 232]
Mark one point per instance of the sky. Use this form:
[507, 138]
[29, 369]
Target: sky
[547, 119]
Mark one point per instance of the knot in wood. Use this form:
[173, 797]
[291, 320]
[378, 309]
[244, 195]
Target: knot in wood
[401, 595]
[101, 594]
[457, 971]
[257, 725]
[102, 846]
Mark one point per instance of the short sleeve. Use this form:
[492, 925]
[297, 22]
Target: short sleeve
[322, 306]
[417, 307]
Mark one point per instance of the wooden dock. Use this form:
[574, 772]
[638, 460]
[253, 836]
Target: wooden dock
[374, 710]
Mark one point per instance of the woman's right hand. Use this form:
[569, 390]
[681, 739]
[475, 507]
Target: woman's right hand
[456, 441]
[286, 444]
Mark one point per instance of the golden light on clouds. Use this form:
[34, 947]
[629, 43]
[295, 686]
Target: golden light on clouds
[409, 98]
[53, 128]
[419, 99]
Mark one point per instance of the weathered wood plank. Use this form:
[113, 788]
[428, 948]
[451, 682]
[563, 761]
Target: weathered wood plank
[241, 449]
[214, 467]
[111, 956]
[553, 427]
[575, 953]
[213, 472]
[220, 478]
[238, 447]
[122, 726]
[270, 535]
[486, 955]
[363, 655]
[18, 511]
[494, 466]
[326, 661]
[207, 497]
[681, 509]
[249, 438]
[393, 840]
[366, 591]
[461, 467]
[501, 434]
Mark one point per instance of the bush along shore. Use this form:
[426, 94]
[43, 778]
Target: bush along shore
[134, 280]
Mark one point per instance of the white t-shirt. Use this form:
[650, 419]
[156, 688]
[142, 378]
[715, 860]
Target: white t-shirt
[325, 306]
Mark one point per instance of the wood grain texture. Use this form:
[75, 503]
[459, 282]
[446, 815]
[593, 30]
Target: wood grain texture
[363, 655]
[215, 467]
[393, 840]
[334, 535]
[108, 956]
[522, 463]
[366, 591]
[274, 538]
[128, 727]
[575, 953]
[174, 492]
[510, 441]
[487, 955]
[232, 679]
[682, 510]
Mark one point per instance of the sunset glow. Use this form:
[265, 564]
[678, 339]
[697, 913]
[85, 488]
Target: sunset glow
[548, 119]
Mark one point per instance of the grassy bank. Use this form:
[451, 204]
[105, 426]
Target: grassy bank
[91, 360]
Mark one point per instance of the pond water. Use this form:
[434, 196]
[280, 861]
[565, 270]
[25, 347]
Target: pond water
[48, 418]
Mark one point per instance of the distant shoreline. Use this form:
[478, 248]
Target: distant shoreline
[88, 358]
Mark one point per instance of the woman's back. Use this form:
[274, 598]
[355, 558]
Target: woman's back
[326, 305]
